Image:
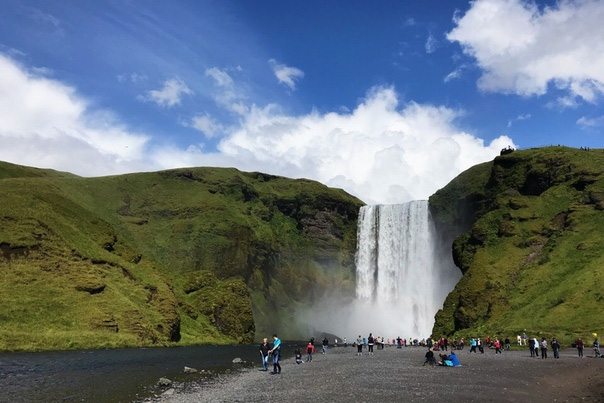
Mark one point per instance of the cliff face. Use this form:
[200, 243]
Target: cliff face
[182, 256]
[527, 232]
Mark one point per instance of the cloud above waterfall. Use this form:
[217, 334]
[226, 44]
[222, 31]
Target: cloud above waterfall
[383, 151]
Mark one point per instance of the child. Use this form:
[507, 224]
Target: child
[298, 356]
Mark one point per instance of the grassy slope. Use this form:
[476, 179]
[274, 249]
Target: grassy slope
[533, 253]
[158, 258]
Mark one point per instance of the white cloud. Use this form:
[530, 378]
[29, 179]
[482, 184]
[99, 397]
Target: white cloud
[207, 125]
[226, 94]
[431, 43]
[523, 49]
[381, 151]
[591, 122]
[170, 94]
[524, 116]
[455, 74]
[221, 78]
[46, 124]
[285, 74]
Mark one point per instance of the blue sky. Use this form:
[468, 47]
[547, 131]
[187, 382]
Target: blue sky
[388, 99]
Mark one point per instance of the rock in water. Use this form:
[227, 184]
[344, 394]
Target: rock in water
[189, 370]
[164, 383]
[237, 361]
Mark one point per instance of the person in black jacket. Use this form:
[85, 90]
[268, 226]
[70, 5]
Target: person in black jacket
[264, 349]
[325, 344]
[555, 347]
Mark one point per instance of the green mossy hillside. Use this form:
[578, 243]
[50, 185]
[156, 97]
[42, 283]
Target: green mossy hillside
[185, 256]
[527, 231]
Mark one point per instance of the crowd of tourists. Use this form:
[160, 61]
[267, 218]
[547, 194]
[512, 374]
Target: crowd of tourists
[537, 348]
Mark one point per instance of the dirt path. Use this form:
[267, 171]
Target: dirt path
[396, 375]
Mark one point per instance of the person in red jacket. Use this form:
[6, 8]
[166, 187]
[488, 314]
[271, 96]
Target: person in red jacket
[497, 345]
[310, 350]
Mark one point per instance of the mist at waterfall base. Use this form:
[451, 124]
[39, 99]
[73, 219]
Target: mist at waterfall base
[404, 272]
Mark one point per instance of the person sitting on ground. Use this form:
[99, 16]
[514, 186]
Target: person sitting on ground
[298, 355]
[443, 361]
[430, 360]
[454, 359]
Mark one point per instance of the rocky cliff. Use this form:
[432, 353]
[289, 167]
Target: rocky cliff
[527, 231]
[186, 256]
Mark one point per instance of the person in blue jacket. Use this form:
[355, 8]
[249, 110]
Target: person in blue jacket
[276, 351]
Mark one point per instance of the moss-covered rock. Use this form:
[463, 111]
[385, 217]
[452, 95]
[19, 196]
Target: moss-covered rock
[526, 232]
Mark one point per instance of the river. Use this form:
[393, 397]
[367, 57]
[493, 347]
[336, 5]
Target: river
[119, 375]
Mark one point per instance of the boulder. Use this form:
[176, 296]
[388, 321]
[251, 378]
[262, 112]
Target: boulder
[237, 361]
[189, 370]
[164, 383]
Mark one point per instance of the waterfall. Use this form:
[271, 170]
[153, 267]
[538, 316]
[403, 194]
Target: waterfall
[399, 273]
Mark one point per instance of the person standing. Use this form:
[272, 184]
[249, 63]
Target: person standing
[532, 347]
[359, 346]
[579, 344]
[473, 345]
[497, 345]
[524, 336]
[276, 351]
[264, 349]
[325, 344]
[543, 348]
[507, 344]
[556, 348]
[370, 343]
[310, 350]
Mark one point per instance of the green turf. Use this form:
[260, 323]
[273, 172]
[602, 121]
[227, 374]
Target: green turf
[112, 261]
[530, 240]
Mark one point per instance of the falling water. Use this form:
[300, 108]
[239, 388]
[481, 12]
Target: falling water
[399, 273]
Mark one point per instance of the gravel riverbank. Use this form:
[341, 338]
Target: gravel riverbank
[395, 375]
